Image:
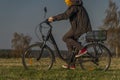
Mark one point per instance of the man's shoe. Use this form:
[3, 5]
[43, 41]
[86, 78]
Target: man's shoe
[81, 52]
[72, 67]
[68, 67]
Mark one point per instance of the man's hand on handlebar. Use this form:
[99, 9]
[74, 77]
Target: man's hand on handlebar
[50, 19]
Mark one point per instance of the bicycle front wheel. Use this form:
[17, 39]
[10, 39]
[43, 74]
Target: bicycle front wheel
[33, 58]
[98, 57]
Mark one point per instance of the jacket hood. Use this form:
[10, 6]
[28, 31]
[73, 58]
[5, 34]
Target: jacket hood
[76, 2]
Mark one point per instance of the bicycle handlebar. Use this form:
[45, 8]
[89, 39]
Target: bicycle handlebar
[42, 26]
[47, 22]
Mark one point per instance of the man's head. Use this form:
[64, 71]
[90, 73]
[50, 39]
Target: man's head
[72, 2]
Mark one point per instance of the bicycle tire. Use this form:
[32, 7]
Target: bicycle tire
[98, 57]
[30, 56]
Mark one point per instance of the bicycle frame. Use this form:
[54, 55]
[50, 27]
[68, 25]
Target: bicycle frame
[49, 36]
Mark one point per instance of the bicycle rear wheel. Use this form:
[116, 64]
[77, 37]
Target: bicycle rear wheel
[33, 58]
[98, 57]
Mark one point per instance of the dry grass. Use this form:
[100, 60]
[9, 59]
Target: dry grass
[12, 69]
[115, 64]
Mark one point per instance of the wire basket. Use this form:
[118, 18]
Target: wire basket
[96, 35]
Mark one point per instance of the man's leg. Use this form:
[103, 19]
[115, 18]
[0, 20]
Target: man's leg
[66, 37]
[70, 42]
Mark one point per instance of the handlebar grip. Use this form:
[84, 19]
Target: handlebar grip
[46, 22]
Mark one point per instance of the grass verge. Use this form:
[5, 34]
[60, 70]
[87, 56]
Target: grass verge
[12, 69]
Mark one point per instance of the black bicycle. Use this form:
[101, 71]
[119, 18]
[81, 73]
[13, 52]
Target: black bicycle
[41, 56]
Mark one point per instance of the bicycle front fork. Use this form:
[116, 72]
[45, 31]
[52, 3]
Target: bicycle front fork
[40, 54]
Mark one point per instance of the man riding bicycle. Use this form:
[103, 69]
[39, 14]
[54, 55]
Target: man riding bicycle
[80, 24]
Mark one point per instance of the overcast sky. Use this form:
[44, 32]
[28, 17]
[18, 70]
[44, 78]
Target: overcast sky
[23, 15]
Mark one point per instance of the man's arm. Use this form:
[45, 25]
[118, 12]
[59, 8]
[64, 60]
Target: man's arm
[68, 13]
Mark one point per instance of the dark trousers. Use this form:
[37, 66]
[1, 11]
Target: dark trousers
[69, 39]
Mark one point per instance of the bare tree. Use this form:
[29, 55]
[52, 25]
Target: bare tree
[20, 42]
[112, 24]
[111, 19]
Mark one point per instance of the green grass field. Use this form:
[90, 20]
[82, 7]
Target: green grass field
[12, 69]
